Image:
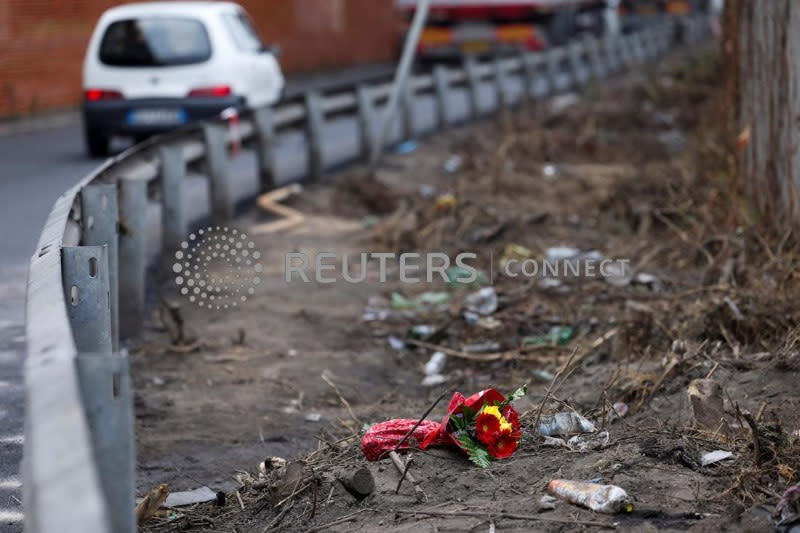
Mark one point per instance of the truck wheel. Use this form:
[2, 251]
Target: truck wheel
[98, 144]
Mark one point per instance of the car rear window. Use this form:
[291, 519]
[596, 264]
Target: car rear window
[242, 32]
[155, 41]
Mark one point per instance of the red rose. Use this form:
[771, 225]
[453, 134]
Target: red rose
[487, 428]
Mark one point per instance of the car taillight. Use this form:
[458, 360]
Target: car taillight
[217, 91]
[95, 95]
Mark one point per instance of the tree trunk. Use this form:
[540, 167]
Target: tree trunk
[769, 106]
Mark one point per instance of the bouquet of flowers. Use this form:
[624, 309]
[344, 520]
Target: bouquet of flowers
[484, 426]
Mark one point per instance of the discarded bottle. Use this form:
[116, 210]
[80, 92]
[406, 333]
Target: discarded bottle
[567, 423]
[422, 331]
[557, 335]
[435, 364]
[600, 498]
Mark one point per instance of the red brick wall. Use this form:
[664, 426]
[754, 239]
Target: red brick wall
[42, 42]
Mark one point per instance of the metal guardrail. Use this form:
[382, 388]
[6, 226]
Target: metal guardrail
[86, 283]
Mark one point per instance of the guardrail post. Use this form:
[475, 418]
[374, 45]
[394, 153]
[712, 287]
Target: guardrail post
[528, 73]
[222, 203]
[639, 53]
[598, 70]
[611, 53]
[104, 378]
[503, 99]
[441, 84]
[101, 226]
[315, 120]
[265, 139]
[575, 51]
[365, 105]
[108, 401]
[473, 85]
[85, 271]
[132, 252]
[173, 218]
[407, 109]
[649, 42]
[623, 46]
[552, 60]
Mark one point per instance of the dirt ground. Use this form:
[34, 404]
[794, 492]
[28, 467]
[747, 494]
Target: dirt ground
[633, 170]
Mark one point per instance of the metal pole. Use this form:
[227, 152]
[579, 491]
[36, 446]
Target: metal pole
[401, 77]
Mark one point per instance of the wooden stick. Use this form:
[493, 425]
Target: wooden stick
[510, 516]
[342, 399]
[427, 412]
[342, 520]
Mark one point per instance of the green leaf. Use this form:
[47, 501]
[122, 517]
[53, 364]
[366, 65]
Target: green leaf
[476, 453]
[516, 395]
[469, 415]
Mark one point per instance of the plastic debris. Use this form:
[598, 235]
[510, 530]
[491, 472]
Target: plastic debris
[514, 252]
[788, 507]
[482, 347]
[549, 283]
[422, 331]
[594, 441]
[554, 442]
[455, 275]
[489, 322]
[709, 458]
[427, 191]
[435, 364]
[617, 274]
[562, 102]
[567, 423]
[649, 280]
[673, 140]
[471, 318]
[445, 202]
[560, 253]
[549, 171]
[426, 299]
[189, 497]
[405, 147]
[312, 417]
[436, 379]
[620, 410]
[608, 499]
[396, 343]
[483, 301]
[453, 164]
[546, 503]
[558, 335]
[545, 376]
[370, 221]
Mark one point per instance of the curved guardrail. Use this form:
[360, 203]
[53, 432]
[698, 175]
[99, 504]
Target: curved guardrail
[86, 281]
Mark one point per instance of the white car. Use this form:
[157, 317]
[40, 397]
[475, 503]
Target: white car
[154, 66]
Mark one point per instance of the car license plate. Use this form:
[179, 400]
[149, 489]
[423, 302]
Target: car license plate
[158, 117]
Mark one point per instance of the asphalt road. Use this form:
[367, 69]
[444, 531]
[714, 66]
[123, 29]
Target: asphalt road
[37, 166]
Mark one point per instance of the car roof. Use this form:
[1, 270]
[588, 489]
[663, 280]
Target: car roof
[169, 8]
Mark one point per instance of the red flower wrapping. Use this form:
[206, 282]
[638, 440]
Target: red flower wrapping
[382, 438]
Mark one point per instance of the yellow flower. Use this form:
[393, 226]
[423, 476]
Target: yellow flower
[505, 426]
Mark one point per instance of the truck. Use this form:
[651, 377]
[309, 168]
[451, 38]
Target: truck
[495, 27]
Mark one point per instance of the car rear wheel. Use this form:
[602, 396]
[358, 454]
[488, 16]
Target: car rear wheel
[98, 144]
